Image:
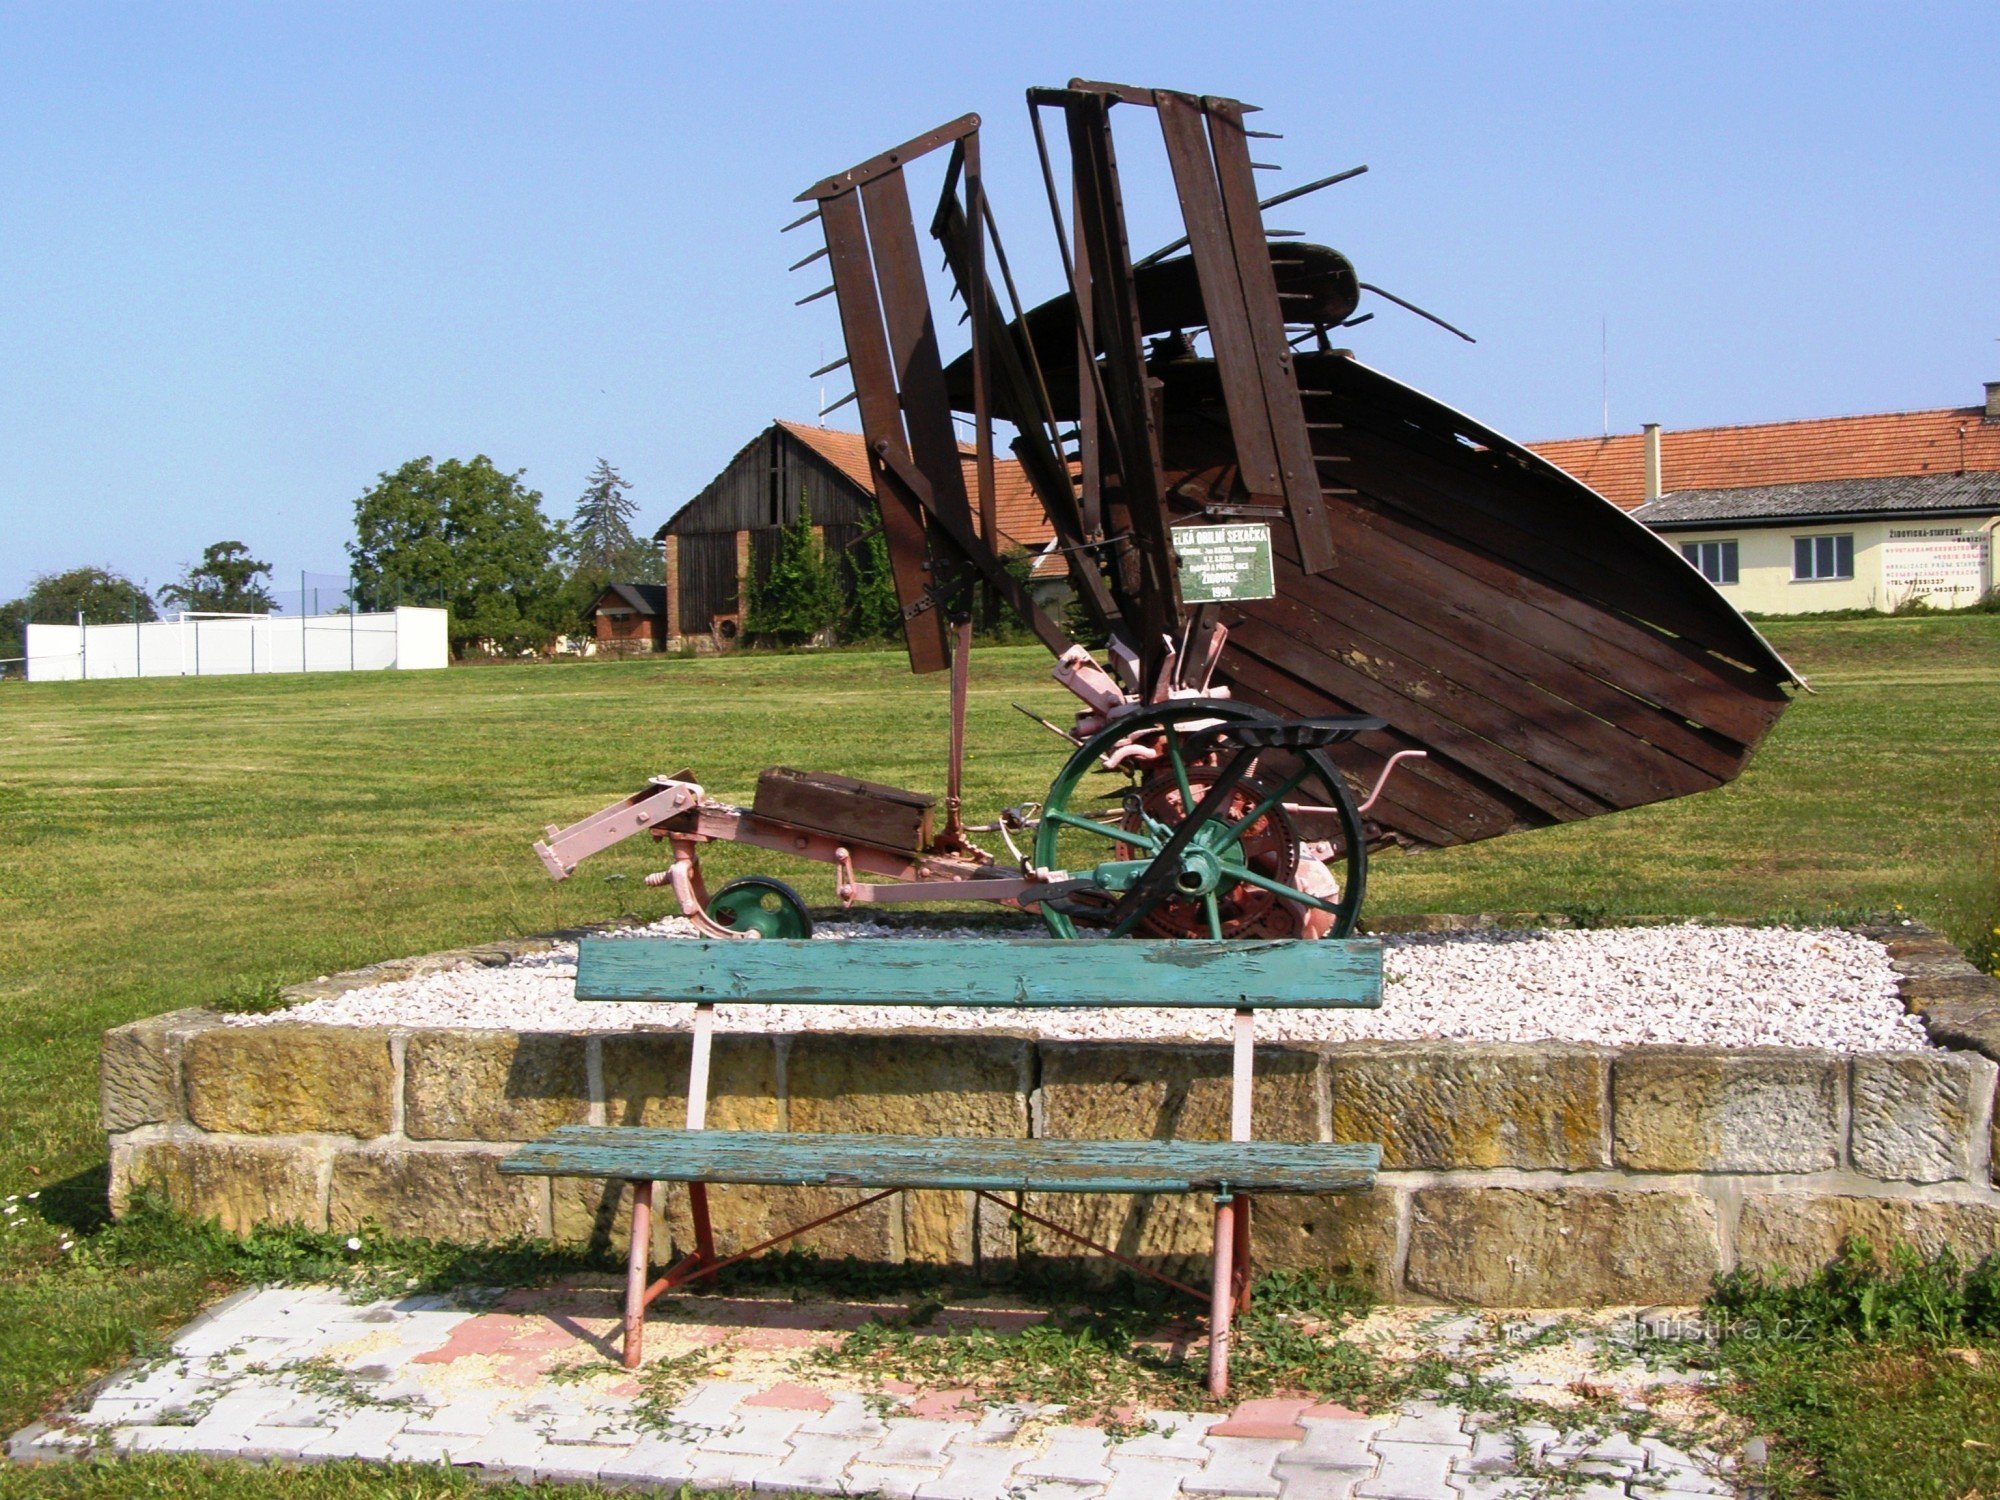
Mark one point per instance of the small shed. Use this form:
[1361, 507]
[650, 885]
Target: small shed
[630, 617]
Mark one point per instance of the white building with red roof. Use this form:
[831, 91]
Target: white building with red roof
[1862, 512]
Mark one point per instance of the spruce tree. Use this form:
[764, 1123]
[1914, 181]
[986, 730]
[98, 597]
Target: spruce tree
[601, 536]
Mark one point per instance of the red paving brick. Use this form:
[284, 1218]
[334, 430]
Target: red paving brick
[788, 1396]
[945, 1406]
[1267, 1418]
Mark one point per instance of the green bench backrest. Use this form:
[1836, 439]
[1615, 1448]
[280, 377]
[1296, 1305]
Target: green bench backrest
[984, 971]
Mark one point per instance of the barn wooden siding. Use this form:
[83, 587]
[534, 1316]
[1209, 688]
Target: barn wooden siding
[759, 493]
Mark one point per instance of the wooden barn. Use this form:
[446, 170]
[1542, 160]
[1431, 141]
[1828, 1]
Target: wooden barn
[731, 528]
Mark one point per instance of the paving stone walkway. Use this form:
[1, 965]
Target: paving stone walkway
[525, 1387]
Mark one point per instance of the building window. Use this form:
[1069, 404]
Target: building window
[1715, 561]
[1817, 557]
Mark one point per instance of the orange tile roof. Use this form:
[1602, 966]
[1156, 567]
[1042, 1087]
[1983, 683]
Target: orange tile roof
[1944, 441]
[1016, 511]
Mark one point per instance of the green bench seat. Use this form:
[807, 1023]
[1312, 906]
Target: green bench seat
[1019, 973]
[970, 1163]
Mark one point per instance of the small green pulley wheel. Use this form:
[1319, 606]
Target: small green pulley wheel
[759, 904]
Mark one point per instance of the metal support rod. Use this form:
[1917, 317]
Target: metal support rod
[704, 1032]
[1034, 360]
[953, 837]
[1230, 1289]
[700, 1051]
[1073, 275]
[1104, 1250]
[982, 354]
[675, 1277]
[1241, 1074]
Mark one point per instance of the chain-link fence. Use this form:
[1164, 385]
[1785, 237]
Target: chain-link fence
[335, 593]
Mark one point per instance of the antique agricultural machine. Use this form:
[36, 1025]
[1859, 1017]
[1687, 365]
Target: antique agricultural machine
[1315, 580]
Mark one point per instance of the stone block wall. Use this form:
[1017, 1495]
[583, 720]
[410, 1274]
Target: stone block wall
[1512, 1175]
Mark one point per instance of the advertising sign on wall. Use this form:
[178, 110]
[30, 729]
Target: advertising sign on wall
[1947, 565]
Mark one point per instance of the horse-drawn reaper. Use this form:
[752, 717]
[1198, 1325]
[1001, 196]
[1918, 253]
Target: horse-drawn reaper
[1340, 614]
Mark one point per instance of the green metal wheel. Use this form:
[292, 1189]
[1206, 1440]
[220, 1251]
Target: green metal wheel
[1255, 865]
[759, 904]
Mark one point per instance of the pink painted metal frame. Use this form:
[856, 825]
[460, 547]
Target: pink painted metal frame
[1229, 1288]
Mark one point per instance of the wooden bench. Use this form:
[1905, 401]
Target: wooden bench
[1243, 976]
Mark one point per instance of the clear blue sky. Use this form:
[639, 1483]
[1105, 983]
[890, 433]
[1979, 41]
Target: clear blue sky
[250, 257]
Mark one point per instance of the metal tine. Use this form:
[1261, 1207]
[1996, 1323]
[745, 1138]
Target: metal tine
[1266, 166]
[827, 411]
[800, 222]
[1404, 302]
[828, 369]
[799, 265]
[1263, 204]
[1313, 187]
[1265, 135]
[1284, 234]
[823, 291]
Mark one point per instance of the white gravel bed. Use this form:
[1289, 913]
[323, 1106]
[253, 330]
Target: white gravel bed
[1614, 987]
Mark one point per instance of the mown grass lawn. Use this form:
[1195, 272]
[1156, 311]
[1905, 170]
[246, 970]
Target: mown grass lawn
[167, 843]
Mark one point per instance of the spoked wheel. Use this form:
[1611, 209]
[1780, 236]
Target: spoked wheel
[1269, 845]
[759, 904]
[1187, 856]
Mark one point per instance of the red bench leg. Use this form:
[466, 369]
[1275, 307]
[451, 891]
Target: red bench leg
[1240, 1262]
[704, 1234]
[1222, 1297]
[638, 1270]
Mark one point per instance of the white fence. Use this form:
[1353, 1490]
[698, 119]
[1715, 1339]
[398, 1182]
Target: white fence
[215, 646]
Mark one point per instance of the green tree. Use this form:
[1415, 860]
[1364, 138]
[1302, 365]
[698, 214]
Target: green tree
[601, 538]
[799, 594]
[874, 613]
[225, 580]
[464, 533]
[1082, 625]
[997, 620]
[101, 596]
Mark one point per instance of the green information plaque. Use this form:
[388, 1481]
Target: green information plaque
[1224, 562]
